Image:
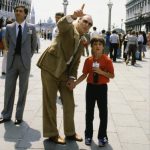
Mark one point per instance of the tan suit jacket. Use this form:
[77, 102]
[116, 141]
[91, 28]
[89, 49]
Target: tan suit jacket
[55, 58]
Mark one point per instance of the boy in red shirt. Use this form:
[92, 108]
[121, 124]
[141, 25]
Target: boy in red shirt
[98, 69]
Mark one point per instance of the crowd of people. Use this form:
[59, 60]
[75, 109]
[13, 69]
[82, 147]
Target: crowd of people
[130, 46]
[59, 66]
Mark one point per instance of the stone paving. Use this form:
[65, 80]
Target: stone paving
[129, 111]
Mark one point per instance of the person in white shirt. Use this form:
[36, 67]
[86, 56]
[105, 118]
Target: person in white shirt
[132, 47]
[94, 33]
[58, 16]
[114, 40]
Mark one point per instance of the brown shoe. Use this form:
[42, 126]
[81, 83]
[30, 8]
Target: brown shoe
[75, 137]
[57, 140]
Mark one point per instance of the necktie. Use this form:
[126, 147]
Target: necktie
[19, 39]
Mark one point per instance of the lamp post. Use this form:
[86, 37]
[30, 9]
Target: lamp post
[65, 4]
[121, 24]
[110, 4]
[40, 26]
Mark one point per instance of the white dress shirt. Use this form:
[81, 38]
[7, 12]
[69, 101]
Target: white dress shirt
[22, 25]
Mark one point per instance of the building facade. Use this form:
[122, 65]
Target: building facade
[7, 7]
[138, 15]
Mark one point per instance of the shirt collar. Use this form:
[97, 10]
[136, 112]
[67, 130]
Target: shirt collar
[22, 24]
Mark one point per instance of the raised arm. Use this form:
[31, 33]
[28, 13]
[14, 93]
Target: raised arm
[78, 13]
[65, 23]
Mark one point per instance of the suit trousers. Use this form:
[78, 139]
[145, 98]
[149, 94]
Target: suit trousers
[16, 70]
[50, 87]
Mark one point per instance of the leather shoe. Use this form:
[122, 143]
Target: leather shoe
[4, 120]
[75, 137]
[17, 122]
[57, 140]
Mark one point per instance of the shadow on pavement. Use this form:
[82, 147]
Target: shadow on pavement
[71, 145]
[23, 135]
[52, 146]
[106, 147]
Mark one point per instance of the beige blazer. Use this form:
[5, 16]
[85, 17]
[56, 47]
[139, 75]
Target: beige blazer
[55, 58]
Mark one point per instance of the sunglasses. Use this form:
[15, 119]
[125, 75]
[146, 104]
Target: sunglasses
[86, 22]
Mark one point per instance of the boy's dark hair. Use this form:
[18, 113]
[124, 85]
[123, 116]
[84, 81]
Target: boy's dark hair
[95, 39]
[59, 14]
[22, 6]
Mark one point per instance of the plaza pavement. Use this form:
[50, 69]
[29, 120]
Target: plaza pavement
[128, 117]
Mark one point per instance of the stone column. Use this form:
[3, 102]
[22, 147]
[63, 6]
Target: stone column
[110, 4]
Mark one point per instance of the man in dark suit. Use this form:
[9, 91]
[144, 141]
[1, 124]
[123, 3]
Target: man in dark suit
[21, 42]
[59, 64]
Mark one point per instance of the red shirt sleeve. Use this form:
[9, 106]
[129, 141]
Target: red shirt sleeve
[110, 67]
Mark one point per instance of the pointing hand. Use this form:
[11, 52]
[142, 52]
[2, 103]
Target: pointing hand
[79, 12]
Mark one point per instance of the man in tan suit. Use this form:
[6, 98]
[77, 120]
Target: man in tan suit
[59, 64]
